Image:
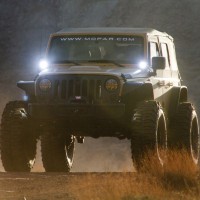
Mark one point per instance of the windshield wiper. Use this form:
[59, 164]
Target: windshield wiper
[106, 61]
[65, 61]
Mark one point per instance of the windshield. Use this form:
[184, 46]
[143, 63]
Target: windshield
[121, 49]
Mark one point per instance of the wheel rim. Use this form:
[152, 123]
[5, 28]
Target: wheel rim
[30, 147]
[194, 140]
[161, 140]
[69, 148]
[70, 154]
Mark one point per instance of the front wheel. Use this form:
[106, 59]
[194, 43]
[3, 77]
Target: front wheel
[17, 139]
[57, 151]
[149, 132]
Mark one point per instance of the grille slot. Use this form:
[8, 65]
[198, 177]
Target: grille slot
[63, 89]
[85, 88]
[70, 88]
[56, 89]
[77, 85]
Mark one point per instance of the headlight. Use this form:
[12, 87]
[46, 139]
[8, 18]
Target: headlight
[142, 65]
[45, 85]
[43, 64]
[111, 85]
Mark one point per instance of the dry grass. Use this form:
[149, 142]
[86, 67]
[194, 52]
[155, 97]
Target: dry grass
[113, 186]
[176, 180]
[179, 172]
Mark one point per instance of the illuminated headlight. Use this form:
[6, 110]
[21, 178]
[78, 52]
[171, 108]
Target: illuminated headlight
[142, 65]
[45, 85]
[111, 85]
[43, 64]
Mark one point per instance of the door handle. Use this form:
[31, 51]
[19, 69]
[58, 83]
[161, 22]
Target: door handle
[170, 84]
[161, 83]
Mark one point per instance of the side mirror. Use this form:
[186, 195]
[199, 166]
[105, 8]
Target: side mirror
[158, 63]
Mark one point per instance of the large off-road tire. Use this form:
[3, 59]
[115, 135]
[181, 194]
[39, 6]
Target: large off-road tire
[149, 132]
[57, 151]
[186, 131]
[17, 141]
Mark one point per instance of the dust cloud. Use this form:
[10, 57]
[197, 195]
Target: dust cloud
[103, 155]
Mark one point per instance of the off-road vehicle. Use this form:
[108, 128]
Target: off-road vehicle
[115, 82]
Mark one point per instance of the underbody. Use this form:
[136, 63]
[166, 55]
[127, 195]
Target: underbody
[83, 120]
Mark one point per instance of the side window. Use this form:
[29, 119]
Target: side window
[165, 53]
[154, 51]
[172, 53]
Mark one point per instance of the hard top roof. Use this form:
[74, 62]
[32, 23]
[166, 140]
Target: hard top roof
[107, 30]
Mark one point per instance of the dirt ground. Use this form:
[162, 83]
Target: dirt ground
[41, 186]
[86, 186]
[47, 186]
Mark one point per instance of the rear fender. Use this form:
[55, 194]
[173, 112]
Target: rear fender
[178, 95]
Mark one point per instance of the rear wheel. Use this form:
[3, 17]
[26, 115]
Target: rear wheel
[186, 131]
[57, 151]
[17, 140]
[149, 132]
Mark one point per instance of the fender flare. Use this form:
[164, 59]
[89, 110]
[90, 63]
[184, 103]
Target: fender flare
[27, 86]
[140, 91]
[178, 95]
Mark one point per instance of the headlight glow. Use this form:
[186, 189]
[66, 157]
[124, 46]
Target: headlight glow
[45, 85]
[43, 64]
[111, 85]
[142, 65]
[25, 98]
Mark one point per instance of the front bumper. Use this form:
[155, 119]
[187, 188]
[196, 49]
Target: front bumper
[75, 111]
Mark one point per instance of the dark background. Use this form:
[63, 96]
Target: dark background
[26, 24]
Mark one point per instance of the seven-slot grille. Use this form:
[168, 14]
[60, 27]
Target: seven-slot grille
[78, 89]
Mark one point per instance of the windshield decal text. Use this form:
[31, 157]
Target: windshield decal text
[120, 39]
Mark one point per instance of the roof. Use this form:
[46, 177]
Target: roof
[107, 30]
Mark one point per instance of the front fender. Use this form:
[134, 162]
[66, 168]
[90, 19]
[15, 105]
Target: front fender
[27, 86]
[134, 91]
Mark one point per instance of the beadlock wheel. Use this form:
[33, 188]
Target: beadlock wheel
[57, 151]
[17, 140]
[186, 131]
[149, 132]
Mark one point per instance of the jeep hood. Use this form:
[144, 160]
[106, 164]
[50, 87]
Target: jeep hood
[127, 72]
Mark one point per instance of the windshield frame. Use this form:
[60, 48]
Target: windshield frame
[142, 35]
